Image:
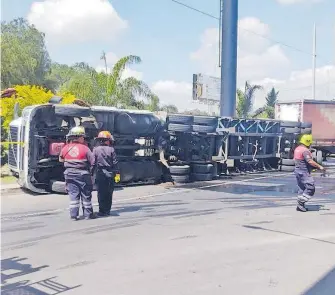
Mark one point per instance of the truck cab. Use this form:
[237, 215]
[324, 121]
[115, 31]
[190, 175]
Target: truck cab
[38, 136]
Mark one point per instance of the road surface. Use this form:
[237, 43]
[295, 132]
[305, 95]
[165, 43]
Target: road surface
[231, 236]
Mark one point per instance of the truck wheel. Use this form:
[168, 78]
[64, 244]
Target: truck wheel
[306, 125]
[290, 130]
[319, 157]
[204, 129]
[181, 178]
[287, 162]
[180, 119]
[179, 170]
[179, 127]
[290, 124]
[201, 176]
[202, 168]
[286, 168]
[306, 131]
[204, 120]
[58, 186]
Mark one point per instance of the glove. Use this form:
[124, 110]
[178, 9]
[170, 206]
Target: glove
[117, 177]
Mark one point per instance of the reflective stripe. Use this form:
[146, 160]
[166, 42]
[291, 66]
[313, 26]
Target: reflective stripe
[304, 198]
[74, 206]
[75, 161]
[74, 202]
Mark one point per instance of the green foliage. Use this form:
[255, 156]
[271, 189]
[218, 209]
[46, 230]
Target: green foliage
[25, 59]
[196, 112]
[268, 111]
[245, 99]
[170, 108]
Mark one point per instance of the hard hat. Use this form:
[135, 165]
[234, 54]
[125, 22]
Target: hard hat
[306, 139]
[105, 135]
[77, 131]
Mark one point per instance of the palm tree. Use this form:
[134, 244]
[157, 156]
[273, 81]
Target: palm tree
[268, 110]
[109, 89]
[245, 99]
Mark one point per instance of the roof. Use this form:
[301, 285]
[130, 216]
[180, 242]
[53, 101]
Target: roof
[312, 101]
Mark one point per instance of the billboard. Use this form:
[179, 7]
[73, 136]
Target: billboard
[206, 88]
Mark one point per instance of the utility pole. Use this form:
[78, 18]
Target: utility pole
[314, 60]
[228, 58]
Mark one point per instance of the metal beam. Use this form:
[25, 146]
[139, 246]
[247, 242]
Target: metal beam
[228, 58]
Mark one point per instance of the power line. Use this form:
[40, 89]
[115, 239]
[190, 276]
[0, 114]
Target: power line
[252, 32]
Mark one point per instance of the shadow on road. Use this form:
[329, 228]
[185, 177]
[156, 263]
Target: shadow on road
[325, 286]
[287, 233]
[13, 267]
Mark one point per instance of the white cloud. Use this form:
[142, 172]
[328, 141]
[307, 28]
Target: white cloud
[176, 93]
[257, 58]
[299, 85]
[290, 2]
[259, 61]
[70, 21]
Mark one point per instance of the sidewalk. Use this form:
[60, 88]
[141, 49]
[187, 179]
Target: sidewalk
[6, 187]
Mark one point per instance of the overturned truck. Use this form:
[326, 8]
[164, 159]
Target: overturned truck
[199, 148]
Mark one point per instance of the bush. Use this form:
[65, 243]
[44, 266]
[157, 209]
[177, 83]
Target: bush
[28, 95]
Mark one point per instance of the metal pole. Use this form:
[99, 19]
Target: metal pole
[228, 58]
[314, 60]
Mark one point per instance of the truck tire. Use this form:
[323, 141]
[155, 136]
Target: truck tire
[287, 162]
[306, 125]
[179, 127]
[180, 170]
[202, 168]
[290, 124]
[180, 119]
[204, 120]
[290, 130]
[286, 168]
[204, 129]
[201, 176]
[72, 111]
[181, 178]
[58, 186]
[306, 131]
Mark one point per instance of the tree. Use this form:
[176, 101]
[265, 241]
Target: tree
[245, 99]
[108, 89]
[268, 110]
[25, 59]
[170, 108]
[27, 95]
[196, 112]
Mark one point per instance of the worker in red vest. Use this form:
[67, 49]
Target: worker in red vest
[304, 163]
[78, 162]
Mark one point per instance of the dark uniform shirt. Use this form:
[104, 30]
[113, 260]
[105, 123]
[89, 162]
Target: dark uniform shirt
[77, 156]
[301, 157]
[105, 157]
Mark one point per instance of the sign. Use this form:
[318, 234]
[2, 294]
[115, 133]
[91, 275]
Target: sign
[206, 88]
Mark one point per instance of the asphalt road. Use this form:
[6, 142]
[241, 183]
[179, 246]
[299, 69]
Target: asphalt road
[233, 236]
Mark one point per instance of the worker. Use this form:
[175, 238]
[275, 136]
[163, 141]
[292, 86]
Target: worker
[78, 162]
[303, 165]
[107, 172]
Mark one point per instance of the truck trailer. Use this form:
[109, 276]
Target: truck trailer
[319, 115]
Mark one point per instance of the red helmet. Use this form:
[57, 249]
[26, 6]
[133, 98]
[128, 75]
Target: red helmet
[105, 135]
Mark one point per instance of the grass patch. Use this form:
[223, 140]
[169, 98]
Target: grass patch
[7, 180]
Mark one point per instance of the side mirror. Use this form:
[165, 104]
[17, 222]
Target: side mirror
[55, 99]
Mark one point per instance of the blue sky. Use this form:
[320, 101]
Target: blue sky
[164, 34]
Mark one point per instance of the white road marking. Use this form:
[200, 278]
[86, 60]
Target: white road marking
[150, 196]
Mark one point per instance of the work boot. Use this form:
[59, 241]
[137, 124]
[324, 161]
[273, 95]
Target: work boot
[301, 207]
[75, 218]
[91, 216]
[102, 214]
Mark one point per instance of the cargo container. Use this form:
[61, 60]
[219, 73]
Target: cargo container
[321, 113]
